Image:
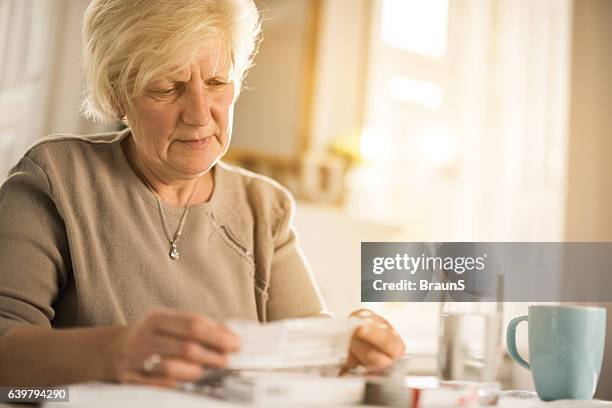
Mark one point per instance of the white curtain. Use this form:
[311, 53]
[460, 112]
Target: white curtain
[497, 171]
[26, 29]
[516, 167]
[40, 74]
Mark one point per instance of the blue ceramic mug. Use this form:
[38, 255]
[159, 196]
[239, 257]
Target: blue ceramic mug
[566, 346]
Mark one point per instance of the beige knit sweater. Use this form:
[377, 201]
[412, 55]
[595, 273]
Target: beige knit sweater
[82, 243]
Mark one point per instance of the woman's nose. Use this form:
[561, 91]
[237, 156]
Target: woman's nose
[196, 111]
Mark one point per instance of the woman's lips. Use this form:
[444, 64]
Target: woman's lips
[196, 144]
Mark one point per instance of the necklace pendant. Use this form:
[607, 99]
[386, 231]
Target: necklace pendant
[174, 253]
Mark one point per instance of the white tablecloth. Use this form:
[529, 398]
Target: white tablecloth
[95, 395]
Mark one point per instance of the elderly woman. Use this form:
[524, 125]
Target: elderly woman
[122, 252]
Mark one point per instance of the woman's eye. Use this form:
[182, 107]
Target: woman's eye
[166, 92]
[216, 83]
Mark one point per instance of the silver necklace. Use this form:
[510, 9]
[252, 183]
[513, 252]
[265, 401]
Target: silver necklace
[174, 253]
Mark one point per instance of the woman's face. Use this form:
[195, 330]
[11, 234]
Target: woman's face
[181, 125]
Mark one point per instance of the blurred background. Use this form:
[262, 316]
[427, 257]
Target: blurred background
[389, 120]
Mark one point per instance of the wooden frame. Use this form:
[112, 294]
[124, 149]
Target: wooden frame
[273, 114]
[272, 124]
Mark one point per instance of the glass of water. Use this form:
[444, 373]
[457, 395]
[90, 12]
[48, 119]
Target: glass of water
[470, 341]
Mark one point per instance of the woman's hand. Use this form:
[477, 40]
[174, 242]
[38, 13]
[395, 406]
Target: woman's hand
[375, 345]
[167, 346]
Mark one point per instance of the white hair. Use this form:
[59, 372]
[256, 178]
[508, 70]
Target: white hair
[128, 44]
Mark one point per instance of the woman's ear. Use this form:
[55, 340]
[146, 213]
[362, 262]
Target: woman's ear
[122, 115]
[121, 111]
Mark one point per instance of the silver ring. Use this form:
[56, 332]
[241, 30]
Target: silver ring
[149, 364]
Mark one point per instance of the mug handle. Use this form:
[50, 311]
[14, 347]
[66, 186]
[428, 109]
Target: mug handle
[511, 341]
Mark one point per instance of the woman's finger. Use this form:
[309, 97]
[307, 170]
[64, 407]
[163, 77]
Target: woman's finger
[351, 362]
[176, 369]
[385, 340]
[369, 316]
[196, 328]
[369, 355]
[188, 350]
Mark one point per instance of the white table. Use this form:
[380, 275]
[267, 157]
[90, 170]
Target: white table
[103, 395]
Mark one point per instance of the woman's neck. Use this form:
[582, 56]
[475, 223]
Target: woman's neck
[174, 192]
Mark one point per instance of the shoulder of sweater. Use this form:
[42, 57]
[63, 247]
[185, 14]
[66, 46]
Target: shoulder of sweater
[59, 146]
[262, 191]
